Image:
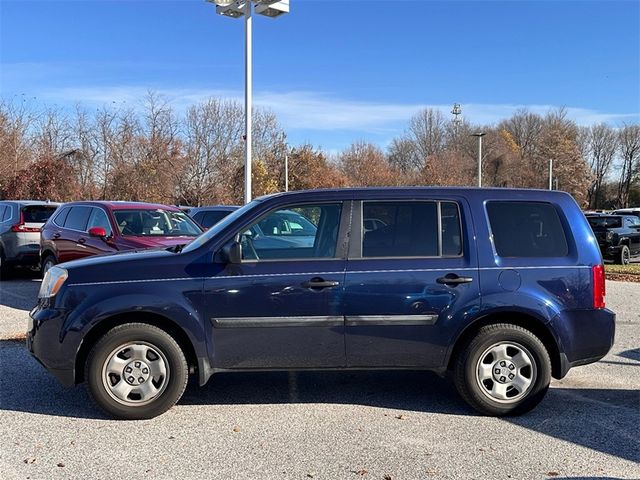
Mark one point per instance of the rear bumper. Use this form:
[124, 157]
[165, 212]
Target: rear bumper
[586, 336]
[26, 254]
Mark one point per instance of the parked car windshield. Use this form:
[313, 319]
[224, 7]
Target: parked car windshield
[150, 223]
[605, 222]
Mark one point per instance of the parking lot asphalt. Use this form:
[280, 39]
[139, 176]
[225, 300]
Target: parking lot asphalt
[369, 425]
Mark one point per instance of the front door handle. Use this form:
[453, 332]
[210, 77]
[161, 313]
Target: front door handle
[453, 279]
[319, 283]
[81, 240]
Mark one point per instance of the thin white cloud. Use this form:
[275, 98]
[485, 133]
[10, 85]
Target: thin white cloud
[305, 110]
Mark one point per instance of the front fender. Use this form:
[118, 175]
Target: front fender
[89, 307]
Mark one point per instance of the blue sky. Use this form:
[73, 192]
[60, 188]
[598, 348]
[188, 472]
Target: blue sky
[333, 70]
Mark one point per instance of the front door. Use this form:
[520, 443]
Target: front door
[411, 279]
[282, 306]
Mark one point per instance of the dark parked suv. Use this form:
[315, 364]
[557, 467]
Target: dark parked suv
[502, 288]
[81, 229]
[618, 236]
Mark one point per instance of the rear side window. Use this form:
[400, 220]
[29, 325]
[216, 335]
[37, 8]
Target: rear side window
[411, 229]
[37, 213]
[527, 229]
[77, 218]
[2, 209]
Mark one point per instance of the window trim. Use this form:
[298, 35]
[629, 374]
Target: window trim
[90, 207]
[97, 207]
[355, 250]
[342, 239]
[567, 238]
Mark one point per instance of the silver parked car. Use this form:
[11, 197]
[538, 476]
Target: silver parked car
[20, 224]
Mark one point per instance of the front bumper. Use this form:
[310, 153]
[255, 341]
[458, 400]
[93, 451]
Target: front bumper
[586, 336]
[45, 343]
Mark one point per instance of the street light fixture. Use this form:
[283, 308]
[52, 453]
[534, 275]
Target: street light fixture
[237, 9]
[479, 135]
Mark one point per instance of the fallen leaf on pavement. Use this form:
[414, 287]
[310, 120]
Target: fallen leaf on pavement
[29, 460]
[552, 474]
[236, 429]
[401, 417]
[61, 464]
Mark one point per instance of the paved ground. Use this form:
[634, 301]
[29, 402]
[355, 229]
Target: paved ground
[404, 425]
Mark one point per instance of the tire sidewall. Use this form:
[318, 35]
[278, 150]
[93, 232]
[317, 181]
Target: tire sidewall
[48, 259]
[176, 365]
[485, 339]
[625, 255]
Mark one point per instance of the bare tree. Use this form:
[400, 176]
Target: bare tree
[601, 145]
[629, 144]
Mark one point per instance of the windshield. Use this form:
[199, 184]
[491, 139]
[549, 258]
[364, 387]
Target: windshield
[218, 227]
[605, 222]
[155, 223]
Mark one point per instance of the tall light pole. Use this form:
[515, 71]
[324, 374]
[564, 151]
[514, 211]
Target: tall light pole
[551, 174]
[479, 135]
[237, 9]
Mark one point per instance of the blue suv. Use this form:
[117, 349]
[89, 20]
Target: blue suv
[502, 289]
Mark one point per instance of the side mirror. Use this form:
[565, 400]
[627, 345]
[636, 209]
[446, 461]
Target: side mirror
[232, 253]
[99, 232]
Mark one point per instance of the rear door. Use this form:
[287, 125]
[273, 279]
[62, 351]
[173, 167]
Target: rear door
[72, 239]
[410, 280]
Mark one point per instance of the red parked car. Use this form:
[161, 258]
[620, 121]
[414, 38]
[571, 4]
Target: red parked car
[81, 229]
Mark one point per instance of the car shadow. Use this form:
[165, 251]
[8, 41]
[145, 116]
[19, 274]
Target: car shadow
[20, 290]
[600, 419]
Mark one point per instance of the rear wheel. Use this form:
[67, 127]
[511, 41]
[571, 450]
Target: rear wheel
[503, 370]
[624, 257]
[136, 371]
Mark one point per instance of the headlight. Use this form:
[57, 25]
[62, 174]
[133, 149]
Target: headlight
[52, 281]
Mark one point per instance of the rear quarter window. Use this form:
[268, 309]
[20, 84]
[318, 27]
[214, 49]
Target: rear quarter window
[526, 229]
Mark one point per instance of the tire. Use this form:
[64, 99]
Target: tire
[48, 262]
[152, 356]
[5, 270]
[624, 257]
[483, 369]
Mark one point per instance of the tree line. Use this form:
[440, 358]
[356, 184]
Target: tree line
[152, 153]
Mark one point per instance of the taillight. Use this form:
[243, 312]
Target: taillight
[20, 227]
[599, 289]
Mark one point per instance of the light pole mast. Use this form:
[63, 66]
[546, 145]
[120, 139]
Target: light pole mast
[248, 99]
[479, 135]
[237, 9]
[551, 174]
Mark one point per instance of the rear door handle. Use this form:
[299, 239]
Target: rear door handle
[56, 235]
[81, 240]
[453, 279]
[319, 283]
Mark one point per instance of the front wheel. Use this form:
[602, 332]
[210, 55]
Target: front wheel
[503, 370]
[48, 263]
[136, 371]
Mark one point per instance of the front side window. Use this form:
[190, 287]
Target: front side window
[99, 219]
[526, 229]
[159, 223]
[297, 232]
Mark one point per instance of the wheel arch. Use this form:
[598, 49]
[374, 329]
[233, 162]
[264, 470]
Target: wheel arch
[149, 318]
[525, 320]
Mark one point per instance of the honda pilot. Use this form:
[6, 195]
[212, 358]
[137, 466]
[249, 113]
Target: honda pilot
[499, 289]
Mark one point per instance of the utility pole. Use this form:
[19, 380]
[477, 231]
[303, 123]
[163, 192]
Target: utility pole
[551, 174]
